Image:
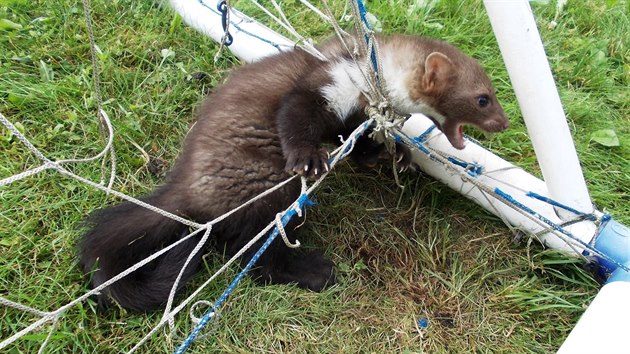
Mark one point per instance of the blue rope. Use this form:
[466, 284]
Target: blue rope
[347, 149]
[474, 169]
[423, 137]
[548, 200]
[359, 131]
[557, 227]
[273, 44]
[418, 142]
[302, 202]
[362, 14]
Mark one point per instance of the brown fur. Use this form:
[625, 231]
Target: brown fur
[251, 133]
[452, 83]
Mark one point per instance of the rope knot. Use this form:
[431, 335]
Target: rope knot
[283, 233]
[386, 123]
[211, 312]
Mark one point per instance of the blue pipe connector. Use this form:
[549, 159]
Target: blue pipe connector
[613, 240]
[620, 274]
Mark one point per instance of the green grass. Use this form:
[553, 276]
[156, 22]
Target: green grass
[402, 255]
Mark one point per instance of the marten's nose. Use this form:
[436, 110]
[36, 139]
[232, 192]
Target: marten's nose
[506, 124]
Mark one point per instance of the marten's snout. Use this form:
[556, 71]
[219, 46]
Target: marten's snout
[497, 124]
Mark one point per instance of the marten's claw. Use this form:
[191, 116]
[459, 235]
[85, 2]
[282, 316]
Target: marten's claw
[308, 162]
[403, 157]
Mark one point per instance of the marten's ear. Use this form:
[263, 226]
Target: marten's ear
[438, 69]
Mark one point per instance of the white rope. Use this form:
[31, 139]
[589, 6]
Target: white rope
[283, 233]
[316, 11]
[51, 316]
[108, 146]
[379, 112]
[194, 294]
[361, 51]
[485, 189]
[306, 44]
[16, 133]
[103, 118]
[25, 174]
[53, 326]
[171, 295]
[195, 320]
[337, 155]
[51, 164]
[128, 198]
[21, 307]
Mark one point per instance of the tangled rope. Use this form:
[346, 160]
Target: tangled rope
[384, 121]
[470, 173]
[107, 130]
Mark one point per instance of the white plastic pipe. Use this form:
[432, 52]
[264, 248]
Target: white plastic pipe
[521, 47]
[603, 328]
[252, 40]
[498, 173]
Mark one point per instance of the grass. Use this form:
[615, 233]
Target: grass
[401, 255]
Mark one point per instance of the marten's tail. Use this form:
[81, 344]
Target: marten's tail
[123, 235]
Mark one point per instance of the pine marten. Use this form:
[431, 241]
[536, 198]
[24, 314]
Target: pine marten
[267, 122]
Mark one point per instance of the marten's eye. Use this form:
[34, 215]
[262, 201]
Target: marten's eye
[483, 101]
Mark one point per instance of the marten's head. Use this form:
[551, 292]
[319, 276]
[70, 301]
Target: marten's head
[446, 85]
[459, 92]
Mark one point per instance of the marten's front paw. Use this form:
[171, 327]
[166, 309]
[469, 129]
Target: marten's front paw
[308, 161]
[403, 158]
[367, 152]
